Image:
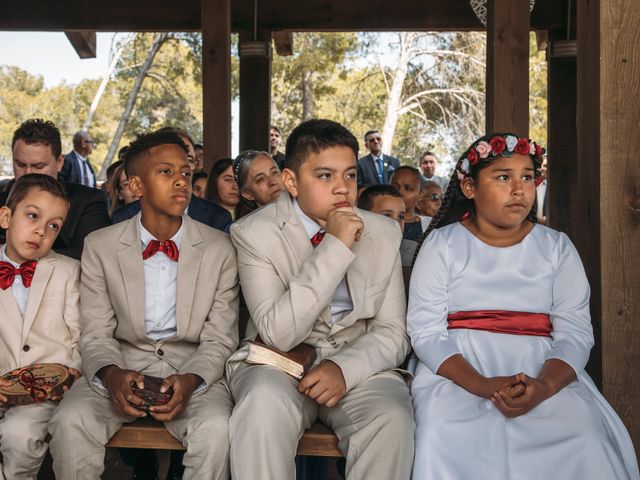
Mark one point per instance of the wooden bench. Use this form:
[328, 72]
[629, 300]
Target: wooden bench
[318, 441]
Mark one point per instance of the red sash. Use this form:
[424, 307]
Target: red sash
[503, 321]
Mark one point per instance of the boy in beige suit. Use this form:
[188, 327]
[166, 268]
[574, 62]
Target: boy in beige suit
[159, 297]
[39, 308]
[314, 269]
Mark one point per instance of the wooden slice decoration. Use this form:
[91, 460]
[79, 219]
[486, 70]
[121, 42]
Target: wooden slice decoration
[36, 383]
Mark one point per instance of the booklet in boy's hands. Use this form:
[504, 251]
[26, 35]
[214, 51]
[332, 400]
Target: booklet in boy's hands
[296, 362]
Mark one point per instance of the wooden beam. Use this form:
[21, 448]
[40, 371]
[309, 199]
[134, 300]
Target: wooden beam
[283, 41]
[616, 60]
[255, 91]
[216, 80]
[293, 15]
[83, 42]
[507, 96]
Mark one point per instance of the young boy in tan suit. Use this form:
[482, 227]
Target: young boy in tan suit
[40, 310]
[159, 297]
[314, 269]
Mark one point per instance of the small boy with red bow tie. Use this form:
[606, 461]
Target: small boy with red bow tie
[160, 298]
[39, 307]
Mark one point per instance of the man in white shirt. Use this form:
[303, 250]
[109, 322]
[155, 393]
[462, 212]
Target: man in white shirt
[76, 168]
[428, 164]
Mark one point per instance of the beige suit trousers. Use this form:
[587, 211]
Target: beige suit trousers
[373, 422]
[86, 420]
[23, 430]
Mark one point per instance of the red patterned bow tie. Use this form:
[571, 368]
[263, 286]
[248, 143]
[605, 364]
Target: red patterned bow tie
[168, 247]
[317, 238]
[8, 273]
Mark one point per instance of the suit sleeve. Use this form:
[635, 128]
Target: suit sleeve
[385, 344]
[285, 314]
[93, 216]
[98, 346]
[361, 180]
[219, 337]
[71, 316]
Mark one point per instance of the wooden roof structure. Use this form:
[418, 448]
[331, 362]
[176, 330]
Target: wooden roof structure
[593, 98]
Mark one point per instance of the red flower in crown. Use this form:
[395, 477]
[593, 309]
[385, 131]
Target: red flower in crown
[538, 151]
[498, 144]
[473, 156]
[522, 147]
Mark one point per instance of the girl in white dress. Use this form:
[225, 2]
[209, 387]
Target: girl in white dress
[499, 320]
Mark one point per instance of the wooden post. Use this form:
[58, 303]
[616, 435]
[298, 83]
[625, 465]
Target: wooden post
[216, 80]
[507, 95]
[255, 91]
[608, 119]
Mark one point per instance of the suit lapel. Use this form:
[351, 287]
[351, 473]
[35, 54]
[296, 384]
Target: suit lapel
[132, 270]
[12, 319]
[357, 275]
[36, 291]
[292, 229]
[188, 266]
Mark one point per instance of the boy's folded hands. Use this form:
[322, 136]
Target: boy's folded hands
[183, 387]
[118, 382]
[324, 383]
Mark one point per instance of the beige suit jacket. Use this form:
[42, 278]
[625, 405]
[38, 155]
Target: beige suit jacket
[288, 286]
[112, 306]
[51, 326]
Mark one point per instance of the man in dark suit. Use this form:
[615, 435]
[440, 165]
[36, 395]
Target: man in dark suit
[36, 148]
[376, 168]
[275, 137]
[76, 168]
[200, 210]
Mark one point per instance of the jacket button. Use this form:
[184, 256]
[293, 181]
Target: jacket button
[26, 348]
[160, 352]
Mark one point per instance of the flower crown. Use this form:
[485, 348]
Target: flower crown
[499, 146]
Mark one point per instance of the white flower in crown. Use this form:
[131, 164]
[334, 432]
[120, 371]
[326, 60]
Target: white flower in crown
[464, 166]
[511, 142]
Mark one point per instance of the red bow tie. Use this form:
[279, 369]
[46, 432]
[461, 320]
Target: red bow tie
[317, 238]
[8, 273]
[168, 247]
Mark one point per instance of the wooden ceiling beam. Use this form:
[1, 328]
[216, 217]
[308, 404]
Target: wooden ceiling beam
[83, 42]
[292, 15]
[283, 41]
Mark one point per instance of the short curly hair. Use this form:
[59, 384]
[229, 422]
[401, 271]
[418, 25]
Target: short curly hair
[139, 148]
[37, 131]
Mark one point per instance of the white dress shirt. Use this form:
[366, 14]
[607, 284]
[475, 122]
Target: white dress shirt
[20, 292]
[341, 303]
[160, 288]
[86, 177]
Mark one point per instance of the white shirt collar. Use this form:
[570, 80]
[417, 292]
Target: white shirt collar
[309, 225]
[80, 156]
[7, 259]
[146, 236]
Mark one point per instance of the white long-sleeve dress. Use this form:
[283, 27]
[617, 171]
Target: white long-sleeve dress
[573, 435]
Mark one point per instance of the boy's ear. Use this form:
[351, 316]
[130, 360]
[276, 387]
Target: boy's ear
[290, 182]
[135, 185]
[468, 187]
[5, 217]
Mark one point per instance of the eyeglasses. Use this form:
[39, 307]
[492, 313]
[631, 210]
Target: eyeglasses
[435, 197]
[377, 139]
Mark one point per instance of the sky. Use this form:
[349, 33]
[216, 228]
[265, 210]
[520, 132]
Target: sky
[51, 55]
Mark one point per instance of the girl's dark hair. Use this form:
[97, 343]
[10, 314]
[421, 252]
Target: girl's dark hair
[454, 204]
[211, 193]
